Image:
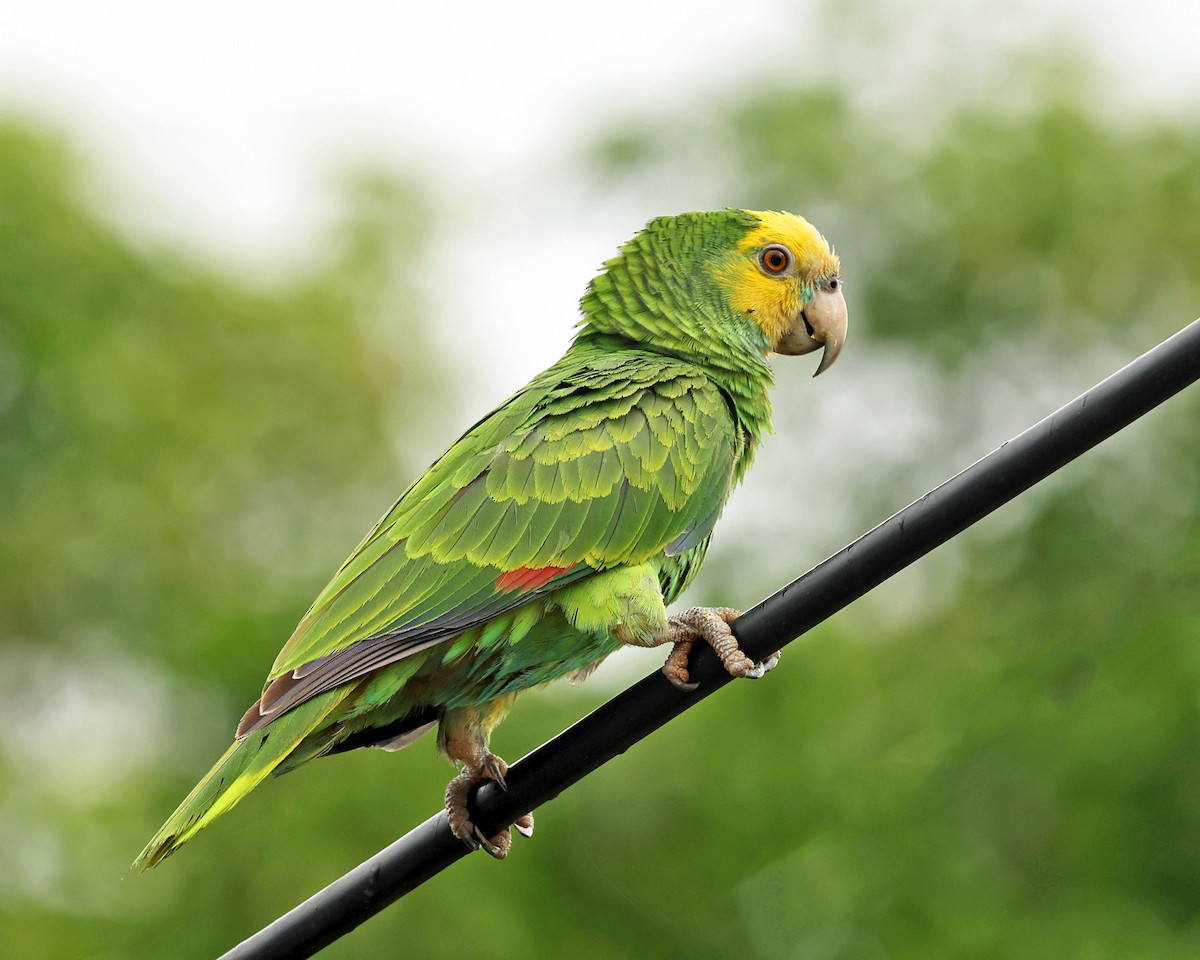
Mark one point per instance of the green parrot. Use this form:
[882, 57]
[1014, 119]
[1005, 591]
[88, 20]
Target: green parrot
[557, 528]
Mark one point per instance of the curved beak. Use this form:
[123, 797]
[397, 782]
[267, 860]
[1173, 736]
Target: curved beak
[822, 323]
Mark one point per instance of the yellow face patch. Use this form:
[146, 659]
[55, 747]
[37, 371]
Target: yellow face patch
[773, 301]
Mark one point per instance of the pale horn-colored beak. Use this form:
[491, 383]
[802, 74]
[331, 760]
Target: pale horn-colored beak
[822, 323]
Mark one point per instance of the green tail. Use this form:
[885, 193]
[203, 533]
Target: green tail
[239, 771]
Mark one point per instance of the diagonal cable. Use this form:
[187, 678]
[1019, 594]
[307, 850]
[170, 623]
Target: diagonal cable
[637, 712]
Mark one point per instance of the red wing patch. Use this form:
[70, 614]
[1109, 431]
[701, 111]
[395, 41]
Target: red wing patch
[528, 578]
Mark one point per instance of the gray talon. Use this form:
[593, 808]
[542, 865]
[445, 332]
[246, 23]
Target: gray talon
[497, 850]
[681, 685]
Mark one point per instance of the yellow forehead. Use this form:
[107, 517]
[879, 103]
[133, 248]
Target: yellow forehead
[773, 302]
[815, 259]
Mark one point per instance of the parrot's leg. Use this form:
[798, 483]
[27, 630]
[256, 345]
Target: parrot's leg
[710, 624]
[464, 736]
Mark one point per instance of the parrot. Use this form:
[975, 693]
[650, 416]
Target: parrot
[559, 527]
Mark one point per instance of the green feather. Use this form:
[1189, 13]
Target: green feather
[239, 771]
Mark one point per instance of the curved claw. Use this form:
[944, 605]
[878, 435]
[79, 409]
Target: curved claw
[498, 846]
[496, 769]
[685, 686]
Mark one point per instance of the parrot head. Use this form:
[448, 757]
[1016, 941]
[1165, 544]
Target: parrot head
[783, 276]
[723, 283]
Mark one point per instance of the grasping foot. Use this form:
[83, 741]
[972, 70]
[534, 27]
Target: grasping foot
[710, 624]
[486, 767]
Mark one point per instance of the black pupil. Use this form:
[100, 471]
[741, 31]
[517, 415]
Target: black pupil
[776, 260]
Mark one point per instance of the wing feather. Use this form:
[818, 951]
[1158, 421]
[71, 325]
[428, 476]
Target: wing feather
[601, 461]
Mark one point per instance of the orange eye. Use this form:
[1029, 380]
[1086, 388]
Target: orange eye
[774, 259]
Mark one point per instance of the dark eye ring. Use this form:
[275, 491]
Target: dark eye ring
[775, 259]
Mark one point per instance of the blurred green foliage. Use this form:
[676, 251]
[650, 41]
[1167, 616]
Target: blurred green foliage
[175, 451]
[1009, 769]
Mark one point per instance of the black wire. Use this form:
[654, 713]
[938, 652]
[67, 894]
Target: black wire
[632, 715]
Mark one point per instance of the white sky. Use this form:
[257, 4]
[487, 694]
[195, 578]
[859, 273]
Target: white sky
[218, 123]
[225, 115]
[227, 112]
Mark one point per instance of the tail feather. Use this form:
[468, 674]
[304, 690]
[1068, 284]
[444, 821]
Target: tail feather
[245, 764]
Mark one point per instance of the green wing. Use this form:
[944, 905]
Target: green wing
[602, 460]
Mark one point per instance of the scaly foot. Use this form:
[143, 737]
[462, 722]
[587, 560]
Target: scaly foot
[710, 624]
[487, 767]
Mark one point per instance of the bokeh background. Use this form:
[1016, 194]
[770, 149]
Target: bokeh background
[259, 263]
